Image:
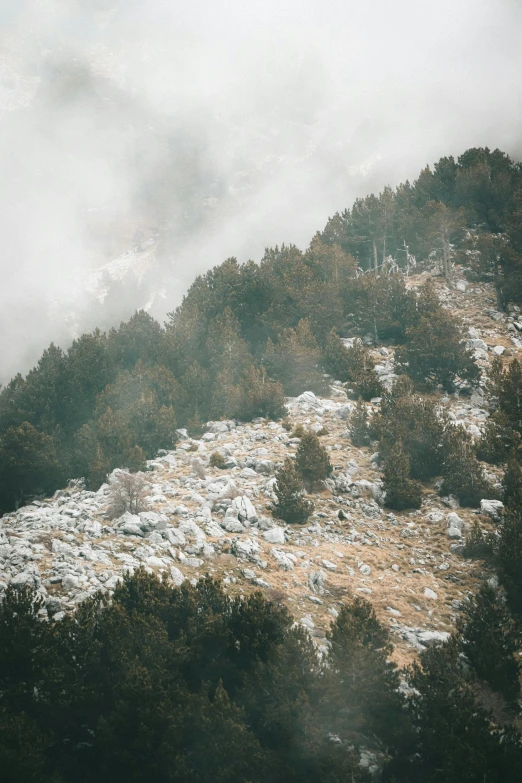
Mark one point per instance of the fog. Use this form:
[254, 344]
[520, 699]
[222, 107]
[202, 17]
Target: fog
[161, 137]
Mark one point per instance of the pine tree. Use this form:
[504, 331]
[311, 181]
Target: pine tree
[291, 505]
[361, 682]
[435, 353]
[359, 425]
[500, 441]
[456, 741]
[509, 553]
[512, 484]
[296, 361]
[401, 491]
[491, 640]
[462, 475]
[258, 395]
[312, 460]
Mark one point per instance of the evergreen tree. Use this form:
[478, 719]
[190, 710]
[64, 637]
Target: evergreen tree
[512, 484]
[491, 640]
[361, 683]
[401, 491]
[435, 353]
[457, 742]
[258, 395]
[499, 441]
[291, 505]
[296, 360]
[509, 553]
[462, 475]
[359, 425]
[312, 460]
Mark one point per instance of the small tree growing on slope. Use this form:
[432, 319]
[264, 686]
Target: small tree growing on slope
[312, 460]
[401, 491]
[128, 492]
[291, 504]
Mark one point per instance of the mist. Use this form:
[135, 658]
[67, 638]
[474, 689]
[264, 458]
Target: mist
[141, 143]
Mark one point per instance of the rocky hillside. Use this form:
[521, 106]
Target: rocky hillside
[218, 521]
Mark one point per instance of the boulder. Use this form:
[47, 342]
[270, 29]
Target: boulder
[244, 508]
[492, 508]
[276, 535]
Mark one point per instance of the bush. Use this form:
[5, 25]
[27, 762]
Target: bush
[478, 543]
[401, 491]
[127, 492]
[312, 460]
[291, 504]
[217, 460]
[360, 373]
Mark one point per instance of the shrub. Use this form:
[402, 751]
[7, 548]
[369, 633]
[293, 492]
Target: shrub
[291, 504]
[312, 460]
[509, 553]
[478, 543]
[127, 492]
[360, 373]
[217, 460]
[499, 440]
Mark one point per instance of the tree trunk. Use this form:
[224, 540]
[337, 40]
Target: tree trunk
[375, 259]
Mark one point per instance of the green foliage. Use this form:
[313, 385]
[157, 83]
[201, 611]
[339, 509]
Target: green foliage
[217, 460]
[509, 553]
[512, 484]
[291, 505]
[499, 440]
[457, 740]
[295, 360]
[258, 395]
[29, 463]
[312, 461]
[361, 683]
[478, 544]
[416, 423]
[490, 639]
[462, 474]
[435, 353]
[359, 426]
[401, 491]
[181, 685]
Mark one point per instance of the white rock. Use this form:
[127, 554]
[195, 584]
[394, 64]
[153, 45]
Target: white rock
[430, 594]
[244, 508]
[286, 560]
[174, 536]
[70, 582]
[246, 547]
[453, 521]
[493, 508]
[432, 638]
[365, 569]
[176, 576]
[498, 350]
[275, 535]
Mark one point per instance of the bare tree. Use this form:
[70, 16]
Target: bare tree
[128, 492]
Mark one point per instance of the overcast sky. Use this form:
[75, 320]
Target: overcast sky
[217, 129]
